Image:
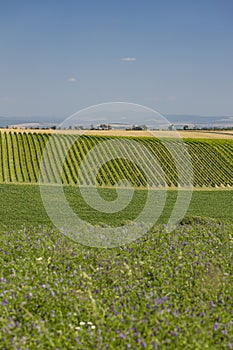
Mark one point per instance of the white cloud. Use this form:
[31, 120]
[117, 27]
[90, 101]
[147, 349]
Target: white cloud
[72, 80]
[128, 59]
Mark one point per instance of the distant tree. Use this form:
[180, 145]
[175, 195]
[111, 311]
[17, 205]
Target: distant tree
[185, 127]
[171, 127]
[103, 126]
[137, 127]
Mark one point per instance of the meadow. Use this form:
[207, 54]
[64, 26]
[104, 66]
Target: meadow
[168, 291]
[163, 291]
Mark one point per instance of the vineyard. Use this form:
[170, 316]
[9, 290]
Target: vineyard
[21, 154]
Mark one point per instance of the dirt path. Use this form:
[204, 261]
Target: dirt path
[204, 134]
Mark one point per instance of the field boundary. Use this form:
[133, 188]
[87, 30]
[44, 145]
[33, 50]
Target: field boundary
[193, 134]
[135, 188]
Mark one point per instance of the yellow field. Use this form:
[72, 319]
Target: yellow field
[204, 134]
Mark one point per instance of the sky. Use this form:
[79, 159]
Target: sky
[57, 57]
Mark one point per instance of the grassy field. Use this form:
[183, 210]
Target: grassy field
[164, 291]
[22, 205]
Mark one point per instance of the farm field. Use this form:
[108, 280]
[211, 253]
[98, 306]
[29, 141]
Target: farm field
[22, 205]
[20, 156]
[199, 134]
[164, 291]
[116, 175]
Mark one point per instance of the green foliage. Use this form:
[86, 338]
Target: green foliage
[165, 291]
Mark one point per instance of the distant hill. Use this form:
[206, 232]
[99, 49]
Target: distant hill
[176, 119]
[201, 121]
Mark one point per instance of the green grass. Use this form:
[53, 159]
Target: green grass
[22, 205]
[166, 291]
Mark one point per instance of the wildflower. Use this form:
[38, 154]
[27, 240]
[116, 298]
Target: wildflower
[173, 333]
[142, 343]
[211, 305]
[122, 335]
[82, 323]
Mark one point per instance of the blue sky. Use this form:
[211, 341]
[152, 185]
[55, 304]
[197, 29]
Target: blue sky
[60, 56]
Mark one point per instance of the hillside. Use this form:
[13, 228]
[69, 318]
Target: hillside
[20, 156]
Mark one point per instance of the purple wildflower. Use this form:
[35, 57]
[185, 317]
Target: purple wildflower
[122, 335]
[136, 334]
[142, 343]
[173, 333]
[211, 305]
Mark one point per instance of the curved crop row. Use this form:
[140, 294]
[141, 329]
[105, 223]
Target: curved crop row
[21, 154]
